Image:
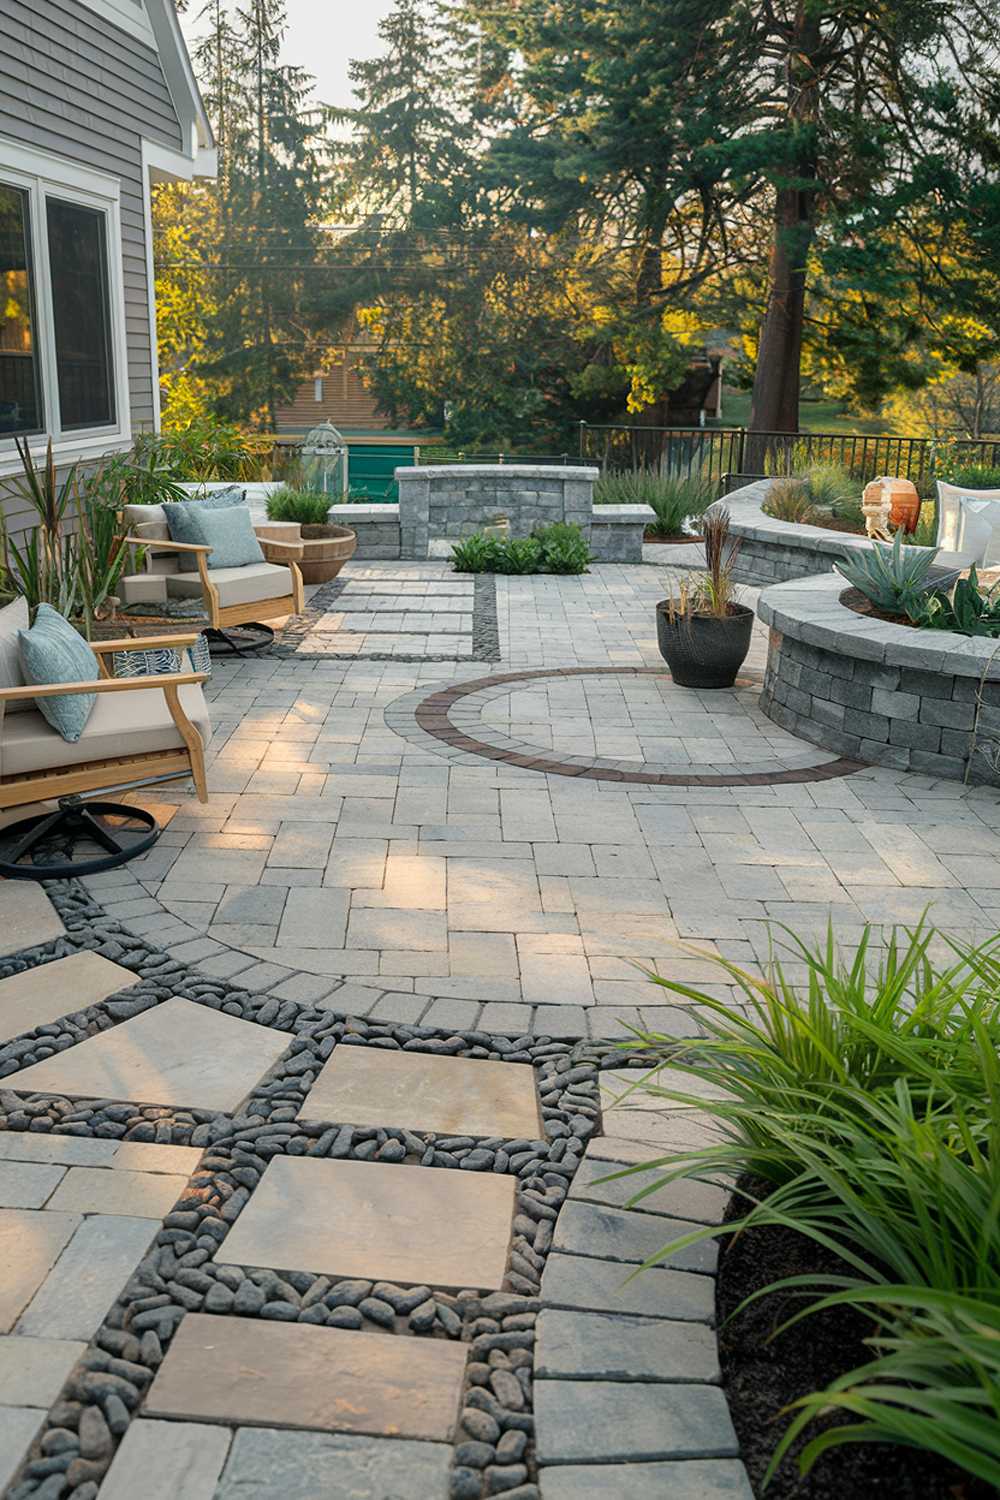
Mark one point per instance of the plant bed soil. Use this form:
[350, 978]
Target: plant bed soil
[761, 1378]
[861, 605]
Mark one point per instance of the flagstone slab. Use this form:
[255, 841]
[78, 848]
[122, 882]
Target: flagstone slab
[43, 994]
[683, 1198]
[33, 1371]
[615, 1346]
[576, 1281]
[18, 1427]
[694, 1479]
[167, 1461]
[177, 1054]
[605, 1421]
[88, 1276]
[31, 1241]
[26, 1184]
[253, 1373]
[269, 1465]
[448, 1095]
[417, 1226]
[95, 1190]
[29, 918]
[67, 1150]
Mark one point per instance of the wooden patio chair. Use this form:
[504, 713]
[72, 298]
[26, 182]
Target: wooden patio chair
[142, 731]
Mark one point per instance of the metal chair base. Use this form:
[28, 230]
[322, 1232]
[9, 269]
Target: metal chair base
[79, 838]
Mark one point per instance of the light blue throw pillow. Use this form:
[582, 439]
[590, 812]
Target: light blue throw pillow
[183, 520]
[52, 651]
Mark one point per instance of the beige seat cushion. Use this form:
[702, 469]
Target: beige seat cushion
[247, 585]
[127, 723]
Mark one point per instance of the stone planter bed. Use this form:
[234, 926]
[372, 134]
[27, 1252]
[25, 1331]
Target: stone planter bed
[773, 551]
[887, 694]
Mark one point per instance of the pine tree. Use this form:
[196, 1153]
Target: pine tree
[271, 194]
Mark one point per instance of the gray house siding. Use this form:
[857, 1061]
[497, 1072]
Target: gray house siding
[76, 86]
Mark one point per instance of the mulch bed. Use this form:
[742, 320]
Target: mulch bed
[670, 541]
[761, 1378]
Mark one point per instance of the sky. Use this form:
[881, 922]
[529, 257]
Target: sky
[323, 36]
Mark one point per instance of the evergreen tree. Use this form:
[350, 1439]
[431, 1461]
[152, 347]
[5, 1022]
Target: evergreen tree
[271, 195]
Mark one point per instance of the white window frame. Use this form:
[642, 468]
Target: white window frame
[42, 176]
[128, 15]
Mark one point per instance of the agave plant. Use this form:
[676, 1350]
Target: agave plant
[891, 576]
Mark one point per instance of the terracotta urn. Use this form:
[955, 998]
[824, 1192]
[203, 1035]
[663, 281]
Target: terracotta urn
[904, 503]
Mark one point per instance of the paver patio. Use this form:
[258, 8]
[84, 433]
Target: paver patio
[362, 850]
[210, 1146]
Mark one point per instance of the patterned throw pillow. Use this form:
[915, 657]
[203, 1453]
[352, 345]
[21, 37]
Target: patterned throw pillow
[182, 519]
[52, 651]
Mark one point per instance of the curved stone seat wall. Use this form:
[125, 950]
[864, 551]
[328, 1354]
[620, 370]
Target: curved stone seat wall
[889, 695]
[773, 551]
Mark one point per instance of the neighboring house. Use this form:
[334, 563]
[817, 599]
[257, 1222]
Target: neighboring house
[336, 392]
[97, 102]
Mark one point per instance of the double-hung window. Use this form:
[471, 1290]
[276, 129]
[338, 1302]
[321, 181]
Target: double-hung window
[63, 368]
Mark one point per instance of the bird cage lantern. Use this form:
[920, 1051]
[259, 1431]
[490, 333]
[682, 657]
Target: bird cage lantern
[324, 456]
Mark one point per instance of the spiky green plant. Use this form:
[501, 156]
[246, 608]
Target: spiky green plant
[890, 575]
[867, 1099]
[42, 565]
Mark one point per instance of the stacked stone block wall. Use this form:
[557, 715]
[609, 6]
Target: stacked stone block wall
[905, 717]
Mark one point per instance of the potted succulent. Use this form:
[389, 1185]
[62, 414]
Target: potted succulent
[326, 547]
[702, 630]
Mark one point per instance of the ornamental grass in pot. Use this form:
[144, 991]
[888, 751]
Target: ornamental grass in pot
[327, 546]
[702, 630]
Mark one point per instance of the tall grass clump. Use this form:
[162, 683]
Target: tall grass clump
[861, 1109]
[677, 500]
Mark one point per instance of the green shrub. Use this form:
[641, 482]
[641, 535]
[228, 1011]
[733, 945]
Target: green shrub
[308, 507]
[206, 450]
[676, 500]
[564, 548]
[559, 548]
[867, 1101]
[967, 611]
[477, 554]
[829, 485]
[975, 477]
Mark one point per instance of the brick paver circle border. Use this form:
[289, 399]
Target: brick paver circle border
[432, 715]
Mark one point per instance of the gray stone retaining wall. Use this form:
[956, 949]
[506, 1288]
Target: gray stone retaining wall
[455, 500]
[377, 528]
[452, 501]
[911, 699]
[774, 551]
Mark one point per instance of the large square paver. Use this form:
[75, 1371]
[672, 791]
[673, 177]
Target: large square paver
[29, 918]
[18, 1428]
[252, 1373]
[88, 1276]
[177, 1053]
[167, 1461]
[449, 1095]
[95, 1190]
[43, 994]
[31, 1240]
[269, 1465]
[414, 1225]
[32, 1371]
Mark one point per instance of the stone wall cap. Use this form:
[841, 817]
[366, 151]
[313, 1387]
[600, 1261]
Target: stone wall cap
[373, 512]
[486, 471]
[810, 610]
[614, 513]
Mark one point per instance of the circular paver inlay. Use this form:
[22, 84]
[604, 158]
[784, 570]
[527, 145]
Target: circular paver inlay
[631, 724]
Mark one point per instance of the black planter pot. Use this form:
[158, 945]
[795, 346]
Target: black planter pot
[704, 651]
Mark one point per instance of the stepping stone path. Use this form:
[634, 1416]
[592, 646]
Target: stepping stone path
[259, 1249]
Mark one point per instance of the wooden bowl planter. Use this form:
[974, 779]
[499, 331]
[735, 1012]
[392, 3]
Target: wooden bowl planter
[702, 650]
[325, 551]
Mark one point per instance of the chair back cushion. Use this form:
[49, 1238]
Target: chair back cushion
[52, 651]
[184, 520]
[979, 530]
[950, 511]
[227, 530]
[13, 618]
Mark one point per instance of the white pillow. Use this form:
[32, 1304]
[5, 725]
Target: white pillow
[950, 511]
[979, 530]
[12, 619]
